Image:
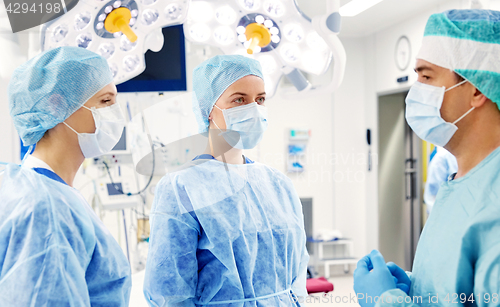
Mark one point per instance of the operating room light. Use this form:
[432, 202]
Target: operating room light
[242, 38]
[131, 62]
[148, 2]
[275, 8]
[256, 49]
[84, 40]
[200, 11]
[290, 52]
[173, 11]
[149, 16]
[271, 31]
[355, 7]
[293, 32]
[106, 50]
[60, 33]
[200, 32]
[224, 35]
[114, 69]
[225, 15]
[82, 20]
[125, 44]
[240, 30]
[117, 29]
[250, 5]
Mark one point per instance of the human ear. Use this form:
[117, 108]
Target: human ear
[479, 99]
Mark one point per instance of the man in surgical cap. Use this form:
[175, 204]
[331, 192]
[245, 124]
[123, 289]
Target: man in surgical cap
[454, 104]
[54, 250]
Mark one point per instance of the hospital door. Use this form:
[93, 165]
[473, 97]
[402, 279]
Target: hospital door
[399, 177]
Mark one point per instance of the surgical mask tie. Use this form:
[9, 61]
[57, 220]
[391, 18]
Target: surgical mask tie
[245, 125]
[109, 123]
[423, 105]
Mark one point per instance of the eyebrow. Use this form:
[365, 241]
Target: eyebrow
[243, 94]
[108, 93]
[422, 68]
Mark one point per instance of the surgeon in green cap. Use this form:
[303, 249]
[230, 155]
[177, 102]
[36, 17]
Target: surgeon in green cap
[454, 104]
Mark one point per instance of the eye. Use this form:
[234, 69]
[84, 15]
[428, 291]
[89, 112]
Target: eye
[261, 100]
[239, 100]
[105, 101]
[426, 77]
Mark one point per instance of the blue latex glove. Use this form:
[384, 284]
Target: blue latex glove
[372, 278]
[403, 282]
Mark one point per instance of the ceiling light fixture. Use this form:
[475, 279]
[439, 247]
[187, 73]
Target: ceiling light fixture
[355, 7]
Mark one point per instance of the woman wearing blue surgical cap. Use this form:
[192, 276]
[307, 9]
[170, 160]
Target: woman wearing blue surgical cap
[54, 250]
[226, 230]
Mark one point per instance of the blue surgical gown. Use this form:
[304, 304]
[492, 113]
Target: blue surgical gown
[227, 234]
[54, 250]
[459, 250]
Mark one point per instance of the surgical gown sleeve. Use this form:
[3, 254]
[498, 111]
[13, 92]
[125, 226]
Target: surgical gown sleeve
[482, 241]
[43, 257]
[172, 267]
[53, 249]
[299, 282]
[479, 260]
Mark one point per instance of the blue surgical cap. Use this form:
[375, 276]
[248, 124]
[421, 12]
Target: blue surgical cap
[468, 43]
[47, 89]
[212, 77]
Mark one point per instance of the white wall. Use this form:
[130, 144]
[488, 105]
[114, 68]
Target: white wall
[350, 147]
[317, 179]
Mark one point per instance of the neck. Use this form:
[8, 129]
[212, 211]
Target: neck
[62, 156]
[476, 141]
[221, 150]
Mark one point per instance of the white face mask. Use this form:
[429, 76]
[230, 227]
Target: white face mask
[423, 105]
[245, 125]
[109, 124]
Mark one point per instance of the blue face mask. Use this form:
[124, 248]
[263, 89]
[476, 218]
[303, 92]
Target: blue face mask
[245, 125]
[423, 105]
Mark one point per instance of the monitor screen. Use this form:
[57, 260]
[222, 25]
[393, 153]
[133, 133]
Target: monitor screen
[114, 189]
[165, 70]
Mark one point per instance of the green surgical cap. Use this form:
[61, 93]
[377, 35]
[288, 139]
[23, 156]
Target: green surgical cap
[467, 42]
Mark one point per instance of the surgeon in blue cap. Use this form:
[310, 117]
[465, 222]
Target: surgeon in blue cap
[454, 104]
[226, 230]
[54, 250]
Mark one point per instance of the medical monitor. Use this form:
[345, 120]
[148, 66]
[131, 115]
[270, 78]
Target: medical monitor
[165, 70]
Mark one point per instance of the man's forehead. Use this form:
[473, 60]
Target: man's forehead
[423, 65]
